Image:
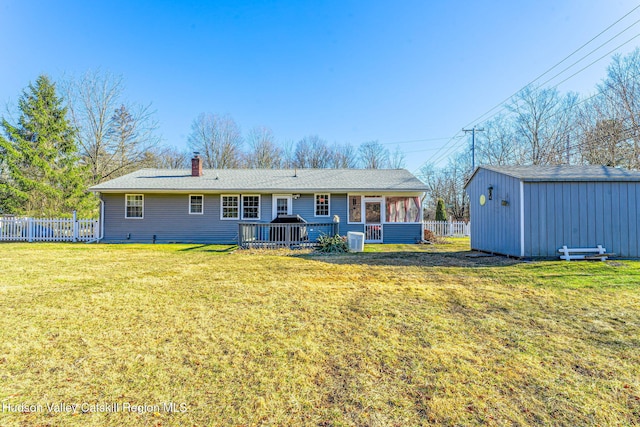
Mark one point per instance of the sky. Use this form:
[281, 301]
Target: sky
[410, 74]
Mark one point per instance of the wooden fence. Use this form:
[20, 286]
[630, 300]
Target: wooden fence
[267, 235]
[449, 228]
[48, 229]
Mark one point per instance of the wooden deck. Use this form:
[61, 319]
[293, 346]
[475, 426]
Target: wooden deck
[267, 235]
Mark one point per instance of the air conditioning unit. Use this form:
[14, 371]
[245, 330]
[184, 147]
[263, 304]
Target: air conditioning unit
[355, 241]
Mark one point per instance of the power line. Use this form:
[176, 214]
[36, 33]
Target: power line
[423, 150]
[558, 64]
[593, 51]
[571, 127]
[415, 140]
[549, 70]
[599, 59]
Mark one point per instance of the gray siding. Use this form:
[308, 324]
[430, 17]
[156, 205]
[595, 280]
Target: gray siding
[556, 213]
[401, 233]
[167, 217]
[581, 214]
[498, 226]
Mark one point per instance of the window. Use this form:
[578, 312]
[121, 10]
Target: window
[229, 207]
[282, 206]
[355, 209]
[403, 209]
[322, 205]
[196, 204]
[134, 206]
[250, 207]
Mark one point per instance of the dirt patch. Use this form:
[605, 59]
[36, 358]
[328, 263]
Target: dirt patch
[420, 259]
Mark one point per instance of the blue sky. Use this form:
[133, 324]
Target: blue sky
[406, 73]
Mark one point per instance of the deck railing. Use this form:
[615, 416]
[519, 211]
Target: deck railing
[48, 229]
[449, 228]
[267, 235]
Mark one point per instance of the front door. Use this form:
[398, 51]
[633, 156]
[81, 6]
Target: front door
[282, 205]
[373, 221]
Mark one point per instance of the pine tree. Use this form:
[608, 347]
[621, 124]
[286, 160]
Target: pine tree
[41, 175]
[441, 212]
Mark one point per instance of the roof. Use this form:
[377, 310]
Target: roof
[263, 180]
[563, 173]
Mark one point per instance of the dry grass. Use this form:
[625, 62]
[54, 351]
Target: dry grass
[399, 335]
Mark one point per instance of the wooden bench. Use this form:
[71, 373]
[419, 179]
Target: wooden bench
[583, 253]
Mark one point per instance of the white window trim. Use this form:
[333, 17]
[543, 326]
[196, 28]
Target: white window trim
[362, 196]
[315, 207]
[274, 207]
[242, 207]
[189, 200]
[222, 218]
[126, 196]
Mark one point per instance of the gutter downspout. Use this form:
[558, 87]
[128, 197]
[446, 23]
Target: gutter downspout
[521, 219]
[101, 223]
[424, 196]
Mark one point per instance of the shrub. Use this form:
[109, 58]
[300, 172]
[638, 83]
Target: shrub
[333, 244]
[441, 211]
[432, 237]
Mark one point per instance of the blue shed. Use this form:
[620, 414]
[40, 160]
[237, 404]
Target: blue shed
[532, 211]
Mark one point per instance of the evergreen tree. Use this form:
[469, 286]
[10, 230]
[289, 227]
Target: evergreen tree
[40, 175]
[441, 212]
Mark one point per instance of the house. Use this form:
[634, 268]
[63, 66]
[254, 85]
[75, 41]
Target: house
[164, 205]
[532, 211]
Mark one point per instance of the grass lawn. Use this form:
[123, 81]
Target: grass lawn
[399, 335]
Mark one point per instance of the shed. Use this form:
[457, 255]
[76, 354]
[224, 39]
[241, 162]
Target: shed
[532, 211]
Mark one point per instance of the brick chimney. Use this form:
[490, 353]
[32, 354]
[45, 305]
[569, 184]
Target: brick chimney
[196, 165]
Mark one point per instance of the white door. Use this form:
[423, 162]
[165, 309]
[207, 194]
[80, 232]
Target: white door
[281, 205]
[373, 221]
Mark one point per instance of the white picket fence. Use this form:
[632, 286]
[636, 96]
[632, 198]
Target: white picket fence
[48, 229]
[449, 228]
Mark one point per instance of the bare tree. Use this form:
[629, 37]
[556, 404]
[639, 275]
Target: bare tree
[312, 152]
[288, 155]
[218, 139]
[397, 159]
[169, 158]
[542, 119]
[607, 144]
[603, 139]
[263, 153]
[112, 136]
[131, 139]
[344, 157]
[373, 155]
[497, 144]
[448, 183]
[621, 92]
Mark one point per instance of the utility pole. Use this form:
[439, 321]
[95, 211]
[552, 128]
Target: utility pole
[473, 145]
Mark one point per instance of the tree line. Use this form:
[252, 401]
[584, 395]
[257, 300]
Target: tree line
[220, 142]
[542, 126]
[70, 135]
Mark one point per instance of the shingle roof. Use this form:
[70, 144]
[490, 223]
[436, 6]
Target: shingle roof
[566, 173]
[260, 180]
